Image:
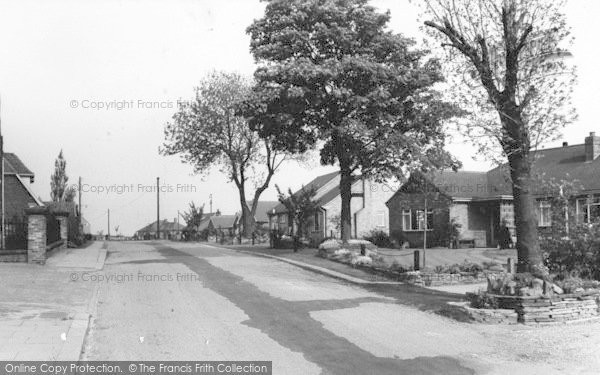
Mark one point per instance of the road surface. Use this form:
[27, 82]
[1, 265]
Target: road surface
[174, 301]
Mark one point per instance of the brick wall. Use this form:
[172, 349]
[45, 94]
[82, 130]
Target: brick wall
[416, 201]
[36, 237]
[17, 198]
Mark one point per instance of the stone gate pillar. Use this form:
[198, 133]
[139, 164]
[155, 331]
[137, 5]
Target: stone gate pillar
[36, 234]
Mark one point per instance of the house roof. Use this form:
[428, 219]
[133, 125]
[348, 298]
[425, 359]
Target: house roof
[461, 184]
[14, 165]
[203, 222]
[164, 225]
[224, 221]
[262, 209]
[315, 184]
[560, 163]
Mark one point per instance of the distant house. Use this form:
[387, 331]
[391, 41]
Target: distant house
[167, 230]
[261, 216]
[223, 225]
[196, 232]
[368, 209]
[17, 198]
[481, 202]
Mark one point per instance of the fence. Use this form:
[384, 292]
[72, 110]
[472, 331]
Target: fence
[16, 234]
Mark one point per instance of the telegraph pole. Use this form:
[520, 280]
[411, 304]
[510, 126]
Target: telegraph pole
[158, 208]
[210, 196]
[108, 223]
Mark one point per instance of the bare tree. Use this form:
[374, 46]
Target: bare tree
[506, 59]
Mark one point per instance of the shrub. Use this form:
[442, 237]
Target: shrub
[398, 238]
[379, 238]
[329, 244]
[482, 300]
[470, 267]
[397, 267]
[362, 260]
[576, 255]
[571, 284]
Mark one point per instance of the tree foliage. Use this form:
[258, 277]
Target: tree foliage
[208, 132]
[332, 76]
[508, 57]
[194, 215]
[300, 206]
[59, 191]
[500, 51]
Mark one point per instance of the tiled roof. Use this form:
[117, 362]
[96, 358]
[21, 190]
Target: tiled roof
[560, 163]
[224, 221]
[462, 184]
[14, 165]
[165, 225]
[262, 208]
[315, 184]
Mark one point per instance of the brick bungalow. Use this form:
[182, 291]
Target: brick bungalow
[481, 201]
[368, 208]
[17, 194]
[168, 230]
[17, 197]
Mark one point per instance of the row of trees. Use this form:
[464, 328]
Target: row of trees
[331, 76]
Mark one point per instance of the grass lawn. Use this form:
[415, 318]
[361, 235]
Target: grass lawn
[404, 257]
[445, 256]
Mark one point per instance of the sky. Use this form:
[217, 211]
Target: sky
[99, 80]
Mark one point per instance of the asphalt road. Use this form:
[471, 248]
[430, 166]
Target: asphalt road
[171, 301]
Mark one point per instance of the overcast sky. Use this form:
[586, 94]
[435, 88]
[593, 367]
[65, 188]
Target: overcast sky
[61, 58]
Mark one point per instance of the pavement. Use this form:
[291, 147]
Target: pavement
[44, 314]
[188, 301]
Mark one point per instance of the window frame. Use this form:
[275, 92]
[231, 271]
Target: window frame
[542, 206]
[380, 219]
[415, 225]
[316, 222]
[404, 216]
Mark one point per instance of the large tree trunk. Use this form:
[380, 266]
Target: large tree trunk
[516, 145]
[528, 248]
[346, 195]
[248, 222]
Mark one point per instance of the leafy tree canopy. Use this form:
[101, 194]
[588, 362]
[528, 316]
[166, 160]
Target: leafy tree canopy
[331, 71]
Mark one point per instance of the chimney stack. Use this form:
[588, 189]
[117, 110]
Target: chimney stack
[592, 147]
[565, 144]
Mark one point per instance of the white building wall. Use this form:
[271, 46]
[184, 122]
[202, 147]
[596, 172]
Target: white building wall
[369, 212]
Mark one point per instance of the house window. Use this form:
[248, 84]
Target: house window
[424, 221]
[588, 209]
[317, 226]
[406, 220]
[413, 220]
[282, 221]
[544, 214]
[380, 219]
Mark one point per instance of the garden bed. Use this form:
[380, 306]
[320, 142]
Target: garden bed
[370, 261]
[556, 308]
